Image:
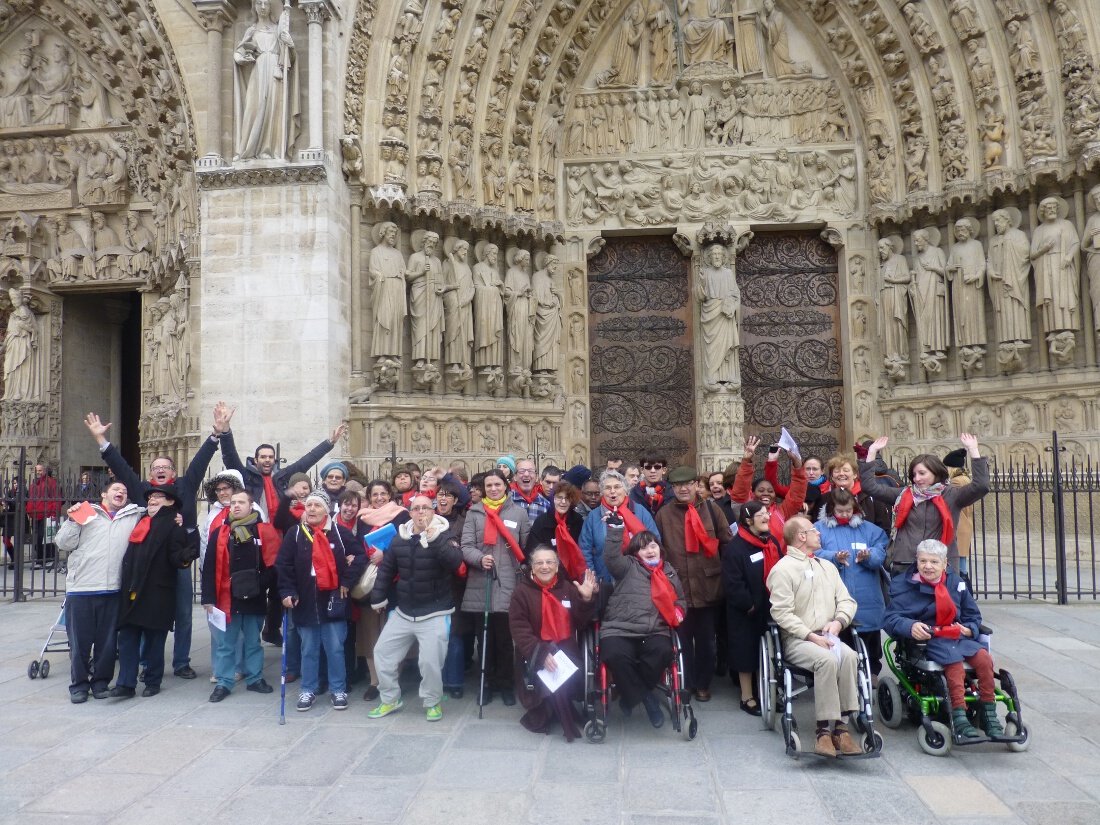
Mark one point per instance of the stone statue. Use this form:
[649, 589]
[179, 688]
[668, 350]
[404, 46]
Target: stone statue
[488, 308]
[15, 99]
[517, 307]
[107, 247]
[165, 337]
[662, 45]
[897, 282]
[140, 247]
[425, 276]
[624, 60]
[1009, 267]
[1091, 245]
[386, 277]
[966, 274]
[720, 318]
[774, 24]
[546, 315]
[706, 34]
[930, 297]
[22, 357]
[53, 86]
[1054, 248]
[265, 85]
[698, 104]
[458, 303]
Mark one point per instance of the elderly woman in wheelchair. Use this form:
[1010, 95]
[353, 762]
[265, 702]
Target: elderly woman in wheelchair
[938, 651]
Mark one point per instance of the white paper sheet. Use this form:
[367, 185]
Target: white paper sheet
[559, 677]
[787, 442]
[216, 618]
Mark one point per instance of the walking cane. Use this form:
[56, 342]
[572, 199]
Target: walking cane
[490, 577]
[282, 685]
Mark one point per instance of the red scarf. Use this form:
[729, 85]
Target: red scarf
[843, 520]
[556, 624]
[568, 551]
[141, 530]
[223, 598]
[494, 529]
[656, 498]
[905, 506]
[632, 524]
[271, 498]
[350, 525]
[409, 495]
[695, 535]
[324, 564]
[945, 610]
[771, 551]
[217, 521]
[297, 509]
[663, 594]
[536, 491]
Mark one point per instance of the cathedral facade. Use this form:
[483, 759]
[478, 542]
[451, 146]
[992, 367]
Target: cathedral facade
[565, 228]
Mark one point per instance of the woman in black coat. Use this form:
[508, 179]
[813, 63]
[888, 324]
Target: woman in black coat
[746, 562]
[545, 529]
[159, 547]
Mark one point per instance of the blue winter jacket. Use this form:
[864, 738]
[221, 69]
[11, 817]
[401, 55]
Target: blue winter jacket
[911, 601]
[595, 530]
[862, 578]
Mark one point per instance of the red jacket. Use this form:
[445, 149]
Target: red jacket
[792, 504]
[43, 498]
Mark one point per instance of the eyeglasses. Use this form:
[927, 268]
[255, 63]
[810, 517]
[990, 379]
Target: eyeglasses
[420, 507]
[157, 468]
[656, 465]
[223, 489]
[546, 563]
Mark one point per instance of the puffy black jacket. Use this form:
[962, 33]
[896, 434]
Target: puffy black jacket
[425, 573]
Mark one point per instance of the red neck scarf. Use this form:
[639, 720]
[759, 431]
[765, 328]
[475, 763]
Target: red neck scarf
[409, 495]
[843, 520]
[771, 551]
[530, 497]
[297, 509]
[350, 525]
[945, 610]
[696, 536]
[324, 563]
[656, 496]
[141, 530]
[568, 551]
[219, 519]
[495, 528]
[271, 498]
[663, 594]
[905, 507]
[222, 594]
[631, 523]
[555, 617]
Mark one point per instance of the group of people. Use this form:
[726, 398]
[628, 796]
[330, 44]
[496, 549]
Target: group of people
[349, 576]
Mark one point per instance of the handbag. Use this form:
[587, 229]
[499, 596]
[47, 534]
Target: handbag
[247, 583]
[336, 608]
[365, 585]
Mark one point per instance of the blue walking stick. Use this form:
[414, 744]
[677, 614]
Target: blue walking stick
[282, 685]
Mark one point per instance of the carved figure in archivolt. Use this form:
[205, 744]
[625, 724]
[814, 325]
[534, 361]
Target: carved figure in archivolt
[425, 276]
[458, 303]
[488, 307]
[930, 297]
[517, 307]
[18, 85]
[896, 286]
[546, 314]
[23, 358]
[386, 276]
[1054, 254]
[662, 46]
[1091, 244]
[720, 318]
[624, 60]
[705, 31]
[265, 85]
[966, 274]
[53, 86]
[774, 23]
[1009, 268]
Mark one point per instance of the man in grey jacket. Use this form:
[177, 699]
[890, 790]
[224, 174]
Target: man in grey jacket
[96, 548]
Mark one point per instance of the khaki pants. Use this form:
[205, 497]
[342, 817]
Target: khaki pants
[834, 683]
[367, 631]
[398, 636]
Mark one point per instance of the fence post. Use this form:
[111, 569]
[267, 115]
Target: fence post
[20, 518]
[1059, 521]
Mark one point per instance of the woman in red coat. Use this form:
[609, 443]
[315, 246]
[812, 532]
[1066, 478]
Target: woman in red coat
[746, 488]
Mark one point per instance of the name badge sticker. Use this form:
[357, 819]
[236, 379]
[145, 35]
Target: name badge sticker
[962, 586]
[511, 525]
[809, 573]
[755, 557]
[566, 603]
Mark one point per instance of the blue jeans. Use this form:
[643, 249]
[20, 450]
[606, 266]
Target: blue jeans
[225, 656]
[131, 639]
[214, 632]
[293, 647]
[331, 635]
[454, 666]
[181, 646]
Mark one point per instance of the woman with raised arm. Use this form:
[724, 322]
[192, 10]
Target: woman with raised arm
[747, 488]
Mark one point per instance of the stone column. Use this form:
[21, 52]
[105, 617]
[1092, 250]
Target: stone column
[216, 15]
[316, 12]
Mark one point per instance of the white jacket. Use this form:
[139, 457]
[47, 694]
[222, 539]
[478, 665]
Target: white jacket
[97, 548]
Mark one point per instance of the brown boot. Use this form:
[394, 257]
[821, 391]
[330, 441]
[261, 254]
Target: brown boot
[824, 746]
[844, 743]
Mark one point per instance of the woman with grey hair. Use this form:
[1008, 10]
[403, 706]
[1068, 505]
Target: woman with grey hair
[613, 499]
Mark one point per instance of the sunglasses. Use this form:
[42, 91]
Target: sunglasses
[657, 465]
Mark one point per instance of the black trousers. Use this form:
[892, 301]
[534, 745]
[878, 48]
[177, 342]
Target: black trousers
[697, 643]
[499, 671]
[131, 640]
[636, 663]
[42, 552]
[873, 640]
[91, 623]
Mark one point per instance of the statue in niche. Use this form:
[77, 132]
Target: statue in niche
[706, 33]
[1008, 266]
[386, 277]
[546, 316]
[966, 274]
[662, 44]
[720, 317]
[139, 244]
[95, 106]
[523, 182]
[53, 86]
[488, 308]
[1091, 245]
[164, 339]
[265, 85]
[964, 18]
[15, 99]
[1054, 247]
[1067, 30]
[23, 359]
[774, 24]
[938, 424]
[458, 305]
[1023, 54]
[517, 307]
[74, 257]
[106, 245]
[993, 138]
[930, 297]
[424, 273]
[698, 104]
[624, 59]
[897, 282]
[492, 175]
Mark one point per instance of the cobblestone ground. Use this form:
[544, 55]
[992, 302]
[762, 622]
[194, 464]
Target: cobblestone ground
[178, 758]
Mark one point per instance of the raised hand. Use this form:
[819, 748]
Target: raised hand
[751, 443]
[223, 414]
[971, 443]
[587, 585]
[878, 444]
[340, 431]
[97, 428]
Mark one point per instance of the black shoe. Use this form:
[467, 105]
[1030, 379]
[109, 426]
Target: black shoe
[120, 692]
[219, 693]
[653, 710]
[150, 690]
[456, 692]
[751, 710]
[185, 672]
[508, 698]
[274, 638]
[487, 698]
[78, 697]
[370, 694]
[260, 687]
[100, 693]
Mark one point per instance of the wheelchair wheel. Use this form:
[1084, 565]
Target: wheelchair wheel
[766, 682]
[891, 709]
[32, 670]
[791, 740]
[1012, 728]
[936, 743]
[595, 731]
[872, 743]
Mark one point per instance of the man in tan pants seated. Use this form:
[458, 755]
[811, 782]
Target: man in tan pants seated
[811, 606]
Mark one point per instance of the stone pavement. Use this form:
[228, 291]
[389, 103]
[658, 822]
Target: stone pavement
[177, 758]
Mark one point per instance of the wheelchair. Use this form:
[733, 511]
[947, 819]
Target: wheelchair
[598, 685]
[920, 694]
[779, 683]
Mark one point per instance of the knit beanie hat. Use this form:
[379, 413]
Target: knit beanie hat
[335, 465]
[296, 477]
[322, 497]
[508, 461]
